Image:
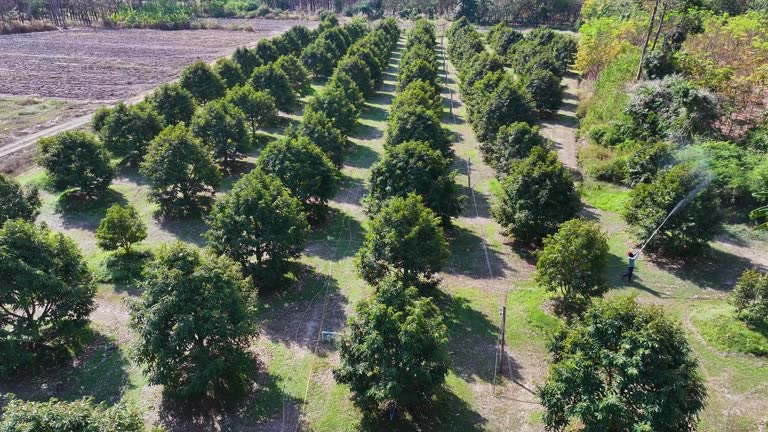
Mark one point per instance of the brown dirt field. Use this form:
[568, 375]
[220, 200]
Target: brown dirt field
[107, 65]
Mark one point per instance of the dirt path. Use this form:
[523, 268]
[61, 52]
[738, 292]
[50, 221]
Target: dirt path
[561, 129]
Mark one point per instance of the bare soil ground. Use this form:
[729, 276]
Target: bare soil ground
[108, 65]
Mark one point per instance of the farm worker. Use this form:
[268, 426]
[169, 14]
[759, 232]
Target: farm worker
[631, 268]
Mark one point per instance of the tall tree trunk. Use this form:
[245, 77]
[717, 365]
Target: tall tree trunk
[661, 24]
[647, 40]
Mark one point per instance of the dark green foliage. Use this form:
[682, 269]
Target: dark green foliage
[416, 123]
[647, 161]
[418, 93]
[513, 142]
[465, 9]
[404, 238]
[222, 129]
[478, 68]
[622, 367]
[572, 265]
[506, 105]
[173, 102]
[266, 52]
[464, 43]
[193, 323]
[731, 167]
[46, 293]
[120, 228]
[345, 83]
[757, 138]
[296, 72]
[320, 57]
[319, 129]
[303, 168]
[366, 54]
[182, 175]
[17, 202]
[258, 107]
[394, 353]
[501, 38]
[258, 224]
[81, 415]
[545, 91]
[358, 71]
[750, 296]
[696, 221]
[338, 40]
[355, 29]
[419, 52]
[416, 70]
[536, 197]
[298, 37]
[76, 159]
[674, 108]
[413, 167]
[247, 59]
[276, 82]
[333, 102]
[204, 84]
[230, 72]
[127, 131]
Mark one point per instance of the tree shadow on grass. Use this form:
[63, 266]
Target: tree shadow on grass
[298, 315]
[472, 338]
[263, 400]
[100, 370]
[445, 412]
[123, 270]
[361, 156]
[367, 132]
[340, 238]
[77, 212]
[714, 269]
[353, 191]
[468, 256]
[375, 112]
[189, 230]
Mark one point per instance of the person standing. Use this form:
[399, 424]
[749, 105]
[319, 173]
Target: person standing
[631, 267]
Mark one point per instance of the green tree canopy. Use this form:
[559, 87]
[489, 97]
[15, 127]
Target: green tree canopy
[82, 415]
[506, 105]
[413, 167]
[572, 265]
[319, 129]
[358, 71]
[75, 159]
[395, 350]
[342, 81]
[193, 322]
[320, 57]
[536, 197]
[182, 175]
[273, 80]
[292, 67]
[333, 102]
[622, 367]
[17, 202]
[513, 142]
[303, 168]
[259, 107]
[127, 131]
[46, 293]
[266, 51]
[417, 69]
[695, 222]
[258, 224]
[750, 295]
[405, 239]
[418, 93]
[417, 123]
[222, 129]
[247, 60]
[545, 91]
[230, 72]
[120, 228]
[174, 103]
[204, 84]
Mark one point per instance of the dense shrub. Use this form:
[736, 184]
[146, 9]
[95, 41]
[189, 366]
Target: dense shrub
[342, 81]
[120, 229]
[320, 57]
[258, 224]
[303, 168]
[258, 107]
[417, 123]
[17, 202]
[266, 51]
[366, 54]
[82, 415]
[319, 129]
[127, 131]
[506, 105]
[46, 293]
[403, 239]
[333, 102]
[647, 161]
[536, 197]
[292, 67]
[572, 265]
[222, 129]
[194, 321]
[415, 94]
[247, 60]
[230, 72]
[691, 227]
[273, 80]
[477, 68]
[204, 84]
[513, 142]
[661, 391]
[750, 296]
[501, 38]
[395, 352]
[76, 159]
[545, 91]
[358, 71]
[416, 70]
[174, 103]
[182, 175]
[413, 167]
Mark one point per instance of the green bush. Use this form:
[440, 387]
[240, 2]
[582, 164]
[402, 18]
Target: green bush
[230, 72]
[75, 159]
[82, 415]
[417, 123]
[222, 129]
[418, 93]
[320, 57]
[174, 103]
[358, 71]
[204, 84]
[513, 143]
[291, 66]
[333, 103]
[545, 91]
[506, 105]
[17, 202]
[247, 59]
[258, 107]
[319, 129]
[750, 296]
[273, 80]
[127, 131]
[120, 229]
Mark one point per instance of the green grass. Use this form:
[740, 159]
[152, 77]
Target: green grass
[721, 329]
[604, 196]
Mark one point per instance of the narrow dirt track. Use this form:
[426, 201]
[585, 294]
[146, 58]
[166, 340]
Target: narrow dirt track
[561, 129]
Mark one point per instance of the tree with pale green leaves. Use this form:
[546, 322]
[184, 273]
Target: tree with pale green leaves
[120, 229]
